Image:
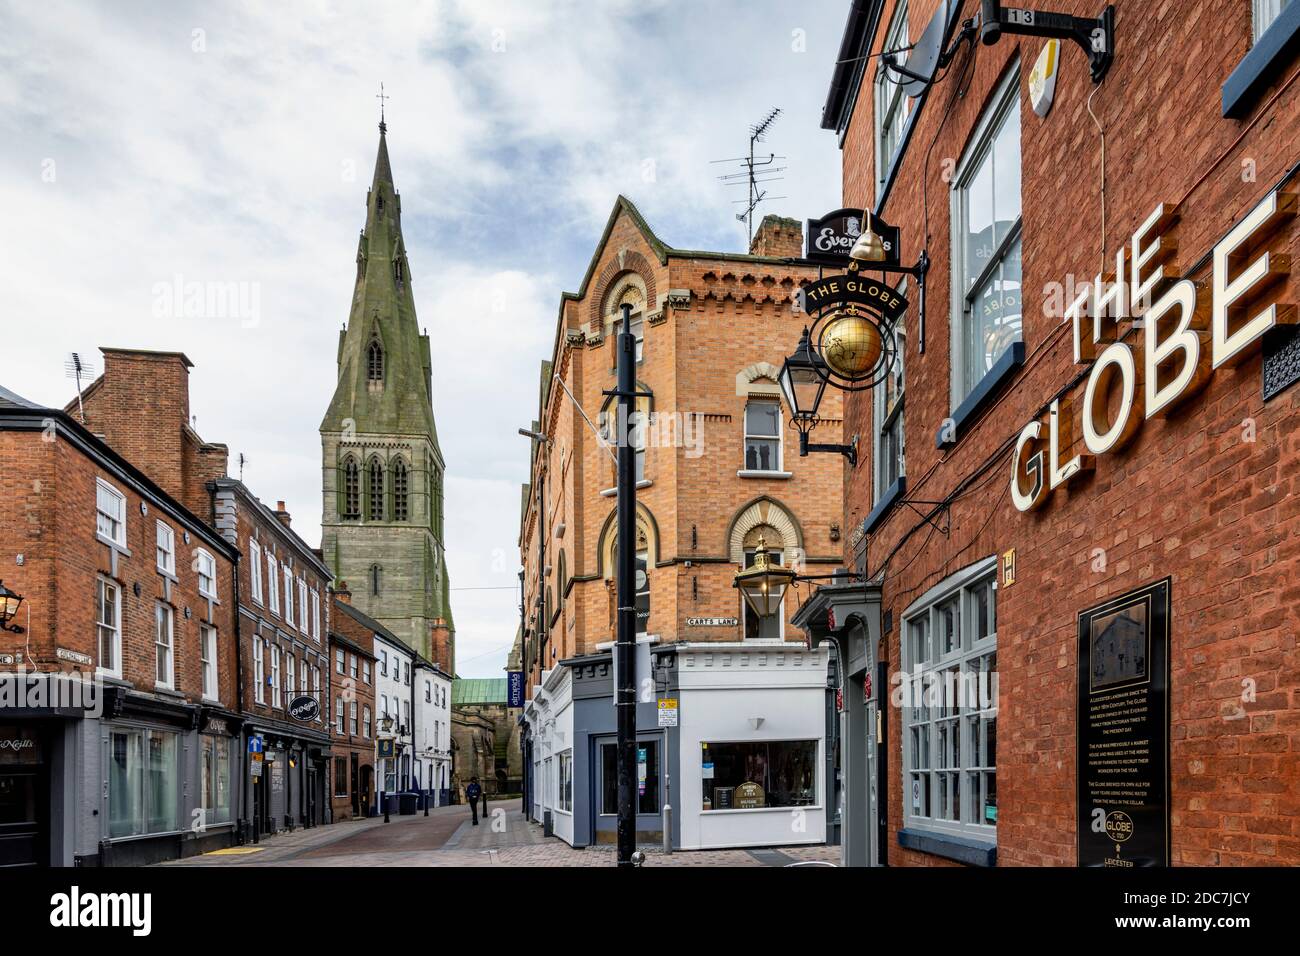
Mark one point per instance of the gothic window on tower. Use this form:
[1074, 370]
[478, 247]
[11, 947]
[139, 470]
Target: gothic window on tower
[351, 488]
[375, 574]
[399, 490]
[399, 272]
[375, 363]
[375, 491]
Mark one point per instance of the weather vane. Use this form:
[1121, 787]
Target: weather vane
[383, 127]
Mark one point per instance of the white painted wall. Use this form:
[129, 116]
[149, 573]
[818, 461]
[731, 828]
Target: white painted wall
[390, 686]
[724, 686]
[550, 717]
[432, 728]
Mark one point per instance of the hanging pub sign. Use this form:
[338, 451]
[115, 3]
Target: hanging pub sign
[304, 709]
[1122, 753]
[829, 239]
[1186, 333]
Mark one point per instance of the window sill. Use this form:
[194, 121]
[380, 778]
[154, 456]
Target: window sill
[951, 431]
[811, 806]
[119, 546]
[611, 492]
[886, 503]
[773, 475]
[1262, 64]
[960, 849]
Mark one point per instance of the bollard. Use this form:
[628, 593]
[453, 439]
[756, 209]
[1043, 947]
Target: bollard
[668, 828]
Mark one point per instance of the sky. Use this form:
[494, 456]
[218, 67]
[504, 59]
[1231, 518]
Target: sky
[145, 148]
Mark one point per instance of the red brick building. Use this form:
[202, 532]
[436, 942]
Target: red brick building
[125, 587]
[355, 719]
[718, 475]
[1100, 460]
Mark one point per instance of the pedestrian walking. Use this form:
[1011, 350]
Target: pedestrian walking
[472, 793]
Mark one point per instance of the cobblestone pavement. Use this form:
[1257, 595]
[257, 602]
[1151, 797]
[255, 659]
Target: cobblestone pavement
[446, 838]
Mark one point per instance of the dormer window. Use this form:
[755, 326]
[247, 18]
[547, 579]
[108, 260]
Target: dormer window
[375, 362]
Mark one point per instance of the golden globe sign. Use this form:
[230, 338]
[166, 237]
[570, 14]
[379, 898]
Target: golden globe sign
[1182, 340]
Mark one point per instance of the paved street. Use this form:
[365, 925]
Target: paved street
[446, 838]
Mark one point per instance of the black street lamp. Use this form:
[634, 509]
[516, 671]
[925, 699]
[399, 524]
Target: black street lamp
[9, 602]
[803, 382]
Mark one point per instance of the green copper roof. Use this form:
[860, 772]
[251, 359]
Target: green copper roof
[468, 691]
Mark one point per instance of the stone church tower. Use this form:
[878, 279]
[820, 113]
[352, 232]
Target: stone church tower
[382, 525]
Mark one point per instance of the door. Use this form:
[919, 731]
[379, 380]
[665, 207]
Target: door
[646, 778]
[873, 789]
[24, 831]
[355, 789]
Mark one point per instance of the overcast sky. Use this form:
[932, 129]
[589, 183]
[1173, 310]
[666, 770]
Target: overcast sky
[142, 145]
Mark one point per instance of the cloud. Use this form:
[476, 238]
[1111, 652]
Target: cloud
[233, 144]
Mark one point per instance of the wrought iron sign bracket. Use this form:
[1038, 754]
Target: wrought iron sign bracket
[849, 451]
[929, 518]
[918, 272]
[1095, 35]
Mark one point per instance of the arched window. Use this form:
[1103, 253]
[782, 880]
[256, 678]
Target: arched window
[375, 491]
[351, 488]
[398, 270]
[375, 572]
[399, 490]
[375, 362]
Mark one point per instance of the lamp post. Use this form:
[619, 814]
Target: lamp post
[9, 602]
[386, 722]
[625, 644]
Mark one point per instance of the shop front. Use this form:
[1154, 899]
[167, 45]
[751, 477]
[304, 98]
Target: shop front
[25, 808]
[745, 743]
[288, 777]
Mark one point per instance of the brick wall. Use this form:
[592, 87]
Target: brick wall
[717, 332]
[48, 490]
[1190, 498]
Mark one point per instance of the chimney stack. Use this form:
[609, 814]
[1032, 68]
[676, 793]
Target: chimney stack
[342, 594]
[281, 513]
[778, 237]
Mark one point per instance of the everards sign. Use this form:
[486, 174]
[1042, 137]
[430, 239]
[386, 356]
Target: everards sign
[1186, 332]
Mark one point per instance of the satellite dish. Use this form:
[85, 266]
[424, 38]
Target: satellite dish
[918, 70]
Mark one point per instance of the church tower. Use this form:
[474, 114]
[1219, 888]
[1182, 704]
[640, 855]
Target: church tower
[382, 524]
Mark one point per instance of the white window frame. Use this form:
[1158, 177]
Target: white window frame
[287, 572]
[315, 691]
[922, 726]
[352, 718]
[352, 666]
[169, 648]
[290, 675]
[205, 566]
[208, 661]
[259, 670]
[116, 523]
[303, 619]
[365, 672]
[338, 717]
[273, 581]
[893, 107]
[275, 676]
[778, 437]
[338, 660]
[1263, 13]
[255, 570]
[315, 615]
[1000, 107]
[366, 721]
[114, 627]
[166, 547]
[564, 795]
[887, 419]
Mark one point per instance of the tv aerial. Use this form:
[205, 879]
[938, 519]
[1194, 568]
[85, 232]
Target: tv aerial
[75, 367]
[755, 172]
